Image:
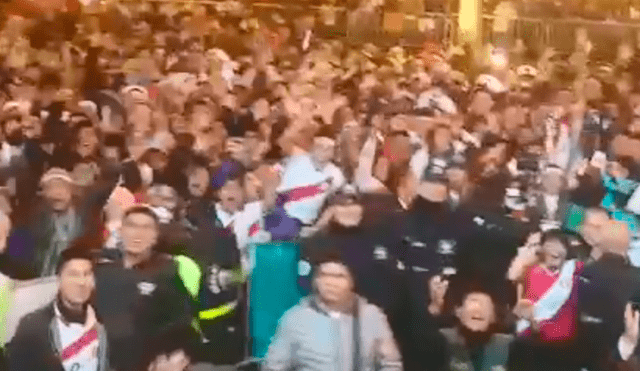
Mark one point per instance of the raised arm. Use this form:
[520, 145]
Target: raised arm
[364, 178]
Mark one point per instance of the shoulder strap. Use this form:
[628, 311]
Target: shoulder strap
[356, 336]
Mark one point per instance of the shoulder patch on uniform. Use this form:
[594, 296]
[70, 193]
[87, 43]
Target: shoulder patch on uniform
[146, 288]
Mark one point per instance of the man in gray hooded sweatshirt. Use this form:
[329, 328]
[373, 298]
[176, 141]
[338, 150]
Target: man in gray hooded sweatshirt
[333, 329]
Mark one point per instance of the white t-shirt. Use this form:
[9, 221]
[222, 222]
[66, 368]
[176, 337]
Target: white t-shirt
[306, 187]
[244, 223]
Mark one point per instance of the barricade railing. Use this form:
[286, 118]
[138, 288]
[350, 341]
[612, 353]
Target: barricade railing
[443, 27]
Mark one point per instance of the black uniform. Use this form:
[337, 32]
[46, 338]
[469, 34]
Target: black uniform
[606, 287]
[136, 304]
[440, 239]
[221, 310]
[373, 251]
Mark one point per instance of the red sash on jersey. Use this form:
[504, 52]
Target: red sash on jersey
[253, 229]
[79, 345]
[304, 192]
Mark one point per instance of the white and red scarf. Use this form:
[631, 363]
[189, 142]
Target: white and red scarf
[79, 343]
[554, 298]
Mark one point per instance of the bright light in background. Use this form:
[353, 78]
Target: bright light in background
[469, 21]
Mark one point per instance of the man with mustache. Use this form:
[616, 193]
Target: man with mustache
[21, 158]
[35, 247]
[12, 131]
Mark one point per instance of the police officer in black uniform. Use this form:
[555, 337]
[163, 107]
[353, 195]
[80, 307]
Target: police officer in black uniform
[221, 304]
[139, 291]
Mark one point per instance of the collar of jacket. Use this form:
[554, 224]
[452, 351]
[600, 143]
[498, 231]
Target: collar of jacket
[154, 260]
[315, 303]
[66, 314]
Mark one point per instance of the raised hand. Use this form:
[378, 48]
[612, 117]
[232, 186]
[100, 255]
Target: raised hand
[524, 310]
[437, 291]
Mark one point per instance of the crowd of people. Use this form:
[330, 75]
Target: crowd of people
[453, 209]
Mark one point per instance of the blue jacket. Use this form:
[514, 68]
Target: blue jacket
[310, 338]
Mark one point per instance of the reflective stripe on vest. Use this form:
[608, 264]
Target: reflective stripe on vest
[220, 311]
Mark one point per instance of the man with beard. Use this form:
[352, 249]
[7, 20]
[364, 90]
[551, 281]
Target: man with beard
[21, 161]
[175, 235]
[12, 117]
[34, 248]
[84, 149]
[474, 343]
[491, 176]
[113, 152]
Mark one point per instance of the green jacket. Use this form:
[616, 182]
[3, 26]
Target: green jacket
[495, 357]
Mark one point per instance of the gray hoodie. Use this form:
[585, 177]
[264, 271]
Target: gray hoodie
[310, 338]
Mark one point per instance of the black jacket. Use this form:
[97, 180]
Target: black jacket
[33, 346]
[214, 249]
[607, 285]
[136, 304]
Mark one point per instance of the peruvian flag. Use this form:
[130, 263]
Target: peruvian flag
[303, 189]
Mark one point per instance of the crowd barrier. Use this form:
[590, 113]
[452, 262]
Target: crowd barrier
[19, 298]
[443, 27]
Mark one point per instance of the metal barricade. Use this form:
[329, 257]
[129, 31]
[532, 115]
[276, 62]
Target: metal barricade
[540, 31]
[19, 298]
